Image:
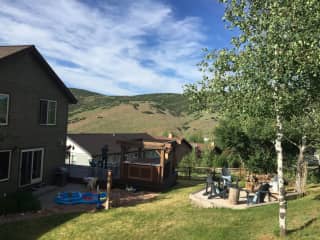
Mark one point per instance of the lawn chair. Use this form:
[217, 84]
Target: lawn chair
[226, 177]
[218, 190]
[260, 195]
[209, 183]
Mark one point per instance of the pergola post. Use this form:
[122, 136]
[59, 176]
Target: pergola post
[162, 163]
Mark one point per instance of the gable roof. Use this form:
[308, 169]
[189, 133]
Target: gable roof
[9, 51]
[94, 142]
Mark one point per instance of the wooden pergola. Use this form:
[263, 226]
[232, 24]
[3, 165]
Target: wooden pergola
[151, 172]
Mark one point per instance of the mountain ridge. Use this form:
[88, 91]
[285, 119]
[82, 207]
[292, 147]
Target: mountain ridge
[157, 113]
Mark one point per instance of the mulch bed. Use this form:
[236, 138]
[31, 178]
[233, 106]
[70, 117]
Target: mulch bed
[118, 196]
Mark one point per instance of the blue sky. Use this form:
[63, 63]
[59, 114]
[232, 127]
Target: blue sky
[118, 47]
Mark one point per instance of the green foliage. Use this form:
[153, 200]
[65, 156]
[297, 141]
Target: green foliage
[246, 141]
[207, 158]
[190, 160]
[314, 176]
[273, 67]
[261, 160]
[147, 112]
[271, 74]
[19, 202]
[196, 137]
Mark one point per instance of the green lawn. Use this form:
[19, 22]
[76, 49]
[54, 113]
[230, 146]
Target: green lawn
[171, 216]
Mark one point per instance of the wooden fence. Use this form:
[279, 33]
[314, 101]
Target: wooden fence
[201, 173]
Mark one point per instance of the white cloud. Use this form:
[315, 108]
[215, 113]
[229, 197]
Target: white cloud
[121, 48]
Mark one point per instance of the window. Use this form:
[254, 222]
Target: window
[4, 109]
[5, 160]
[48, 109]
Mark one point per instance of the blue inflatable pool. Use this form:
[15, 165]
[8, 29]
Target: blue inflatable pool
[70, 198]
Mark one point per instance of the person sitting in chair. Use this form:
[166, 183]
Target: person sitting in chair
[226, 176]
[260, 195]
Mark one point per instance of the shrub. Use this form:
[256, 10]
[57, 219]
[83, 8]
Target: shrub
[314, 176]
[147, 112]
[196, 137]
[19, 202]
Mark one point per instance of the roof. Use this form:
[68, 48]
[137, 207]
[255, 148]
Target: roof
[93, 142]
[10, 51]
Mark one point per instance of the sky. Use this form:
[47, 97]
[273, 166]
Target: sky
[118, 47]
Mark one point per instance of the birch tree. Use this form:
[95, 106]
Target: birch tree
[303, 132]
[272, 69]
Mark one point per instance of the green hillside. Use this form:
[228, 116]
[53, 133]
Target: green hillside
[156, 114]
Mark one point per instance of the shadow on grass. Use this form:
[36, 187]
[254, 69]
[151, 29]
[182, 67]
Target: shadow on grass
[317, 197]
[34, 228]
[305, 225]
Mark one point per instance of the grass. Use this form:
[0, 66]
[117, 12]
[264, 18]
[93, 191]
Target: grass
[171, 216]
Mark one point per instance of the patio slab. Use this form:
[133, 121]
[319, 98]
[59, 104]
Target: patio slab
[198, 199]
[46, 195]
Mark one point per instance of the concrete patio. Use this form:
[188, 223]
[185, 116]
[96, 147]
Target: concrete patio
[200, 200]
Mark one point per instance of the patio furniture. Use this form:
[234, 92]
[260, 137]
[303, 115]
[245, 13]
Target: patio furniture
[218, 189]
[91, 183]
[226, 177]
[209, 183]
[220, 186]
[260, 195]
[234, 194]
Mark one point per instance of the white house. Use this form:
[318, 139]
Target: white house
[86, 148]
[78, 155]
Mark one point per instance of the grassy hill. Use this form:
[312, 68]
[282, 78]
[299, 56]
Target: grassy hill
[156, 114]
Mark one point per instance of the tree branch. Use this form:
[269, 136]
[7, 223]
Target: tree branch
[292, 142]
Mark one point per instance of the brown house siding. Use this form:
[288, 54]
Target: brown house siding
[23, 77]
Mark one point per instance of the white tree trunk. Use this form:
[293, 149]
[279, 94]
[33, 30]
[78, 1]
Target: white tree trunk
[302, 170]
[282, 200]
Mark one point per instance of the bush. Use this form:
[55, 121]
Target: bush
[147, 112]
[196, 137]
[314, 176]
[189, 160]
[19, 202]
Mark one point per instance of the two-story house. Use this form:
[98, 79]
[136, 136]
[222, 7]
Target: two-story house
[33, 119]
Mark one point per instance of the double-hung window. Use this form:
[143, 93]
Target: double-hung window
[5, 161]
[4, 109]
[48, 112]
